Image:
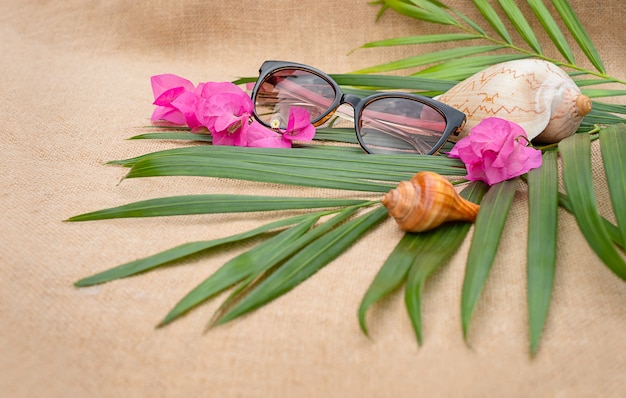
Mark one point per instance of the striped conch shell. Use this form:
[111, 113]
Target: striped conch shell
[426, 201]
[536, 94]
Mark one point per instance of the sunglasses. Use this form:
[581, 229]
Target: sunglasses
[385, 123]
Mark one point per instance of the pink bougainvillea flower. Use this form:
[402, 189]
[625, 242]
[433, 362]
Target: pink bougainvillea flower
[299, 126]
[496, 150]
[223, 108]
[260, 136]
[167, 88]
[186, 103]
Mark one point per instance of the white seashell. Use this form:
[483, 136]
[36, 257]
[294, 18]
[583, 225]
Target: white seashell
[536, 94]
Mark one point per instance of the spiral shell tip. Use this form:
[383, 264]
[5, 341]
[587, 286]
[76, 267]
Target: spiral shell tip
[583, 105]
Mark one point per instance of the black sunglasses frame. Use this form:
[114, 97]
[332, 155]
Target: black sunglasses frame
[455, 119]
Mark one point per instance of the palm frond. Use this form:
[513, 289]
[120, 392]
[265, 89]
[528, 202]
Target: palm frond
[542, 232]
[579, 33]
[293, 249]
[494, 209]
[522, 25]
[180, 252]
[491, 16]
[576, 154]
[552, 29]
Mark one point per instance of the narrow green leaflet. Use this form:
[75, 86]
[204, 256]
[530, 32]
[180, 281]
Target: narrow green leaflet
[426, 11]
[317, 168]
[236, 169]
[477, 28]
[392, 82]
[437, 9]
[598, 117]
[305, 263]
[181, 251]
[433, 250]
[211, 204]
[424, 39]
[612, 108]
[576, 154]
[391, 275]
[338, 135]
[460, 69]
[333, 162]
[521, 25]
[173, 135]
[429, 58]
[267, 264]
[250, 263]
[542, 231]
[494, 20]
[612, 230]
[578, 32]
[591, 82]
[599, 93]
[494, 209]
[552, 29]
[613, 147]
[328, 157]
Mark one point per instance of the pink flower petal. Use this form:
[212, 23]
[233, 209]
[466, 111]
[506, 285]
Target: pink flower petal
[168, 81]
[186, 104]
[299, 126]
[495, 150]
[168, 114]
[260, 136]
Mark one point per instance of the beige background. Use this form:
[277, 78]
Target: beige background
[75, 85]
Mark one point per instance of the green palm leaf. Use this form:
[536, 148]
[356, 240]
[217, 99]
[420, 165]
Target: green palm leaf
[181, 251]
[494, 209]
[425, 39]
[255, 262]
[552, 29]
[579, 33]
[236, 169]
[434, 57]
[393, 82]
[542, 231]
[614, 232]
[576, 154]
[520, 23]
[494, 20]
[211, 204]
[424, 10]
[522, 26]
[613, 147]
[305, 263]
[246, 265]
[285, 259]
[390, 276]
[597, 93]
[173, 135]
[340, 169]
[459, 69]
[433, 249]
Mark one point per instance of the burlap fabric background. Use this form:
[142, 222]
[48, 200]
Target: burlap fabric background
[75, 85]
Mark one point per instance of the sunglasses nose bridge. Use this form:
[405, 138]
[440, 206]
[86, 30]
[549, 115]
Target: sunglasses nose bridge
[350, 99]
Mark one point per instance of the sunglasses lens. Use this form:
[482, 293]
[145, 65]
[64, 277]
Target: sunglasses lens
[285, 88]
[400, 125]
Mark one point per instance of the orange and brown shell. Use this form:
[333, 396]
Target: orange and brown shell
[426, 201]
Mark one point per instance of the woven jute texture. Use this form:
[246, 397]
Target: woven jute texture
[75, 85]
